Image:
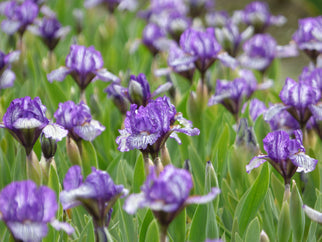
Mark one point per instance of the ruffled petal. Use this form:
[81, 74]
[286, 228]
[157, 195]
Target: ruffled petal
[55, 131]
[203, 199]
[256, 162]
[89, 131]
[303, 162]
[141, 140]
[58, 74]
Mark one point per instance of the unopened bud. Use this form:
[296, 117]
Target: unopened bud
[48, 146]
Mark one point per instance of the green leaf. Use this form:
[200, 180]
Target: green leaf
[87, 233]
[261, 129]
[152, 234]
[253, 231]
[89, 157]
[284, 226]
[297, 216]
[139, 174]
[53, 180]
[252, 199]
[145, 224]
[277, 188]
[199, 224]
[177, 228]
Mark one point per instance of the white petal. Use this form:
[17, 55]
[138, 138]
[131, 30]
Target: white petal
[58, 74]
[228, 60]
[13, 56]
[256, 162]
[6, 79]
[9, 26]
[70, 198]
[55, 132]
[313, 214]
[134, 202]
[27, 123]
[62, 226]
[163, 88]
[203, 199]
[107, 76]
[89, 131]
[28, 231]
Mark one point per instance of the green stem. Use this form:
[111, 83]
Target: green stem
[163, 233]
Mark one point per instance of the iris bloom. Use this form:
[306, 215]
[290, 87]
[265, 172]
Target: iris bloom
[166, 194]
[19, 16]
[77, 119]
[97, 193]
[84, 65]
[147, 128]
[285, 154]
[27, 209]
[7, 76]
[50, 30]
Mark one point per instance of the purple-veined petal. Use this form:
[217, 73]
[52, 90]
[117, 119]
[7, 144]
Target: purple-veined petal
[141, 140]
[274, 110]
[89, 131]
[28, 231]
[313, 214]
[316, 111]
[7, 78]
[62, 226]
[10, 26]
[73, 178]
[256, 162]
[162, 88]
[121, 140]
[70, 199]
[58, 74]
[175, 136]
[289, 50]
[203, 199]
[105, 75]
[134, 202]
[303, 162]
[55, 131]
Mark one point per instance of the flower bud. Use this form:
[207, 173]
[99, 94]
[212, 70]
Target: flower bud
[48, 146]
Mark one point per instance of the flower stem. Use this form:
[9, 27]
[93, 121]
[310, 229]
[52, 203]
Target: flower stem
[287, 192]
[163, 233]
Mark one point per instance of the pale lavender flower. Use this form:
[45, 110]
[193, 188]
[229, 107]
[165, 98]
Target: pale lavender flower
[7, 76]
[97, 193]
[285, 154]
[84, 65]
[26, 210]
[110, 5]
[25, 119]
[166, 194]
[77, 119]
[259, 57]
[257, 14]
[19, 16]
[50, 30]
[147, 128]
[308, 36]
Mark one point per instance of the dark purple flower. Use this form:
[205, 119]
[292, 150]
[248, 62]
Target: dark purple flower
[257, 14]
[25, 119]
[19, 16]
[147, 128]
[308, 36]
[110, 5]
[166, 194]
[50, 30]
[26, 211]
[259, 57]
[7, 76]
[77, 119]
[97, 193]
[84, 65]
[286, 155]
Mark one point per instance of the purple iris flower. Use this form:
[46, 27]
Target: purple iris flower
[7, 76]
[19, 16]
[77, 119]
[299, 99]
[257, 14]
[203, 49]
[177, 24]
[111, 5]
[50, 30]
[259, 57]
[166, 194]
[147, 128]
[27, 209]
[312, 76]
[285, 154]
[308, 36]
[154, 38]
[230, 38]
[25, 119]
[84, 65]
[97, 193]
[256, 108]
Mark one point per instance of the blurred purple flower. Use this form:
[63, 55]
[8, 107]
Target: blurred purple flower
[77, 119]
[97, 193]
[259, 57]
[308, 36]
[110, 5]
[19, 16]
[256, 108]
[166, 194]
[202, 48]
[7, 76]
[25, 119]
[217, 19]
[84, 65]
[50, 30]
[119, 96]
[147, 128]
[286, 155]
[257, 14]
[312, 76]
[26, 210]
